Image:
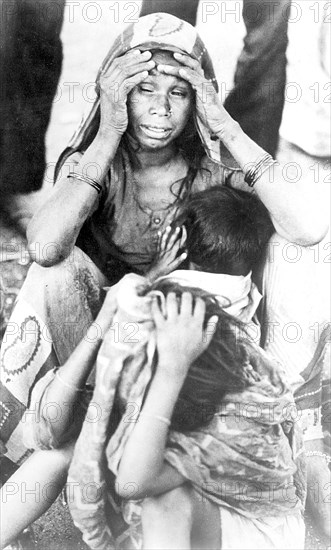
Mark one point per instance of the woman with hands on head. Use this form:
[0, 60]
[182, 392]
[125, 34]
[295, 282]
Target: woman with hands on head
[153, 137]
[156, 80]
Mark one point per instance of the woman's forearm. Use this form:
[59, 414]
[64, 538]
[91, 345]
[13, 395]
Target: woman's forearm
[142, 462]
[54, 229]
[297, 208]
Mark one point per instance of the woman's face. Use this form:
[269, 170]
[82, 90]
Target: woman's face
[160, 107]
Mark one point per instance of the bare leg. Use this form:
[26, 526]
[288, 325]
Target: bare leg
[180, 520]
[31, 490]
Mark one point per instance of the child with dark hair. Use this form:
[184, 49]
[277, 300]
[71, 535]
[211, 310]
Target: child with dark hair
[226, 232]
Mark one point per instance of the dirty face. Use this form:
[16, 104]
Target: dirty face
[160, 107]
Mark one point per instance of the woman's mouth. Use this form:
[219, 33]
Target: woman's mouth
[157, 132]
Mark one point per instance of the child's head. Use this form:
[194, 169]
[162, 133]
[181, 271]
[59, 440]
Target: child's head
[219, 370]
[227, 230]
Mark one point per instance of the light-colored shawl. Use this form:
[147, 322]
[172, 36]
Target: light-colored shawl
[236, 294]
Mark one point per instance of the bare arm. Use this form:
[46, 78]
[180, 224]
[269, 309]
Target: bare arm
[298, 209]
[60, 219]
[62, 216]
[180, 339]
[65, 389]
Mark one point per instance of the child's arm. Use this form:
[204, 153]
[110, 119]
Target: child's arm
[180, 340]
[45, 474]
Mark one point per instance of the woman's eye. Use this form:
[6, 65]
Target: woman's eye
[145, 89]
[179, 93]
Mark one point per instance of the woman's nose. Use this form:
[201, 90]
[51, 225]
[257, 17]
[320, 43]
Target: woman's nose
[160, 106]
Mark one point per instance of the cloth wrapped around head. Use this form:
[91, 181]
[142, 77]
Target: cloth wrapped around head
[159, 31]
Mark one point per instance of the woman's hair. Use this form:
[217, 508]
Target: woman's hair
[220, 369]
[227, 230]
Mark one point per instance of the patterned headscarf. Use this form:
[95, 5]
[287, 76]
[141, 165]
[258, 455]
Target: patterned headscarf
[156, 31]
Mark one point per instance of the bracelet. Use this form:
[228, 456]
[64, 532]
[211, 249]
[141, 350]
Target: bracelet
[70, 386]
[157, 417]
[253, 174]
[265, 168]
[319, 453]
[86, 179]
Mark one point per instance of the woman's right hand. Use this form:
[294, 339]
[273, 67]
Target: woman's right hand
[116, 83]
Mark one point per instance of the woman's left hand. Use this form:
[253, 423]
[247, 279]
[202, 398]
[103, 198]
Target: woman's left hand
[209, 107]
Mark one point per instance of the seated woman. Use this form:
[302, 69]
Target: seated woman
[152, 139]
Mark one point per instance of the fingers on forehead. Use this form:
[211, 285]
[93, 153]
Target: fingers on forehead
[185, 58]
[169, 69]
[200, 307]
[186, 303]
[171, 300]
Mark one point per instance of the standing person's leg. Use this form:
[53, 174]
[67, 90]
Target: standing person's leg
[30, 47]
[184, 9]
[53, 310]
[257, 99]
[298, 294]
[296, 331]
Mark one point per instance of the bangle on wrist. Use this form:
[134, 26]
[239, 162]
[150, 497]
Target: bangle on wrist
[158, 417]
[326, 457]
[66, 384]
[86, 179]
[254, 173]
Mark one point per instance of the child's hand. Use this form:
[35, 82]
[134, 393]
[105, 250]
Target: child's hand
[180, 337]
[166, 260]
